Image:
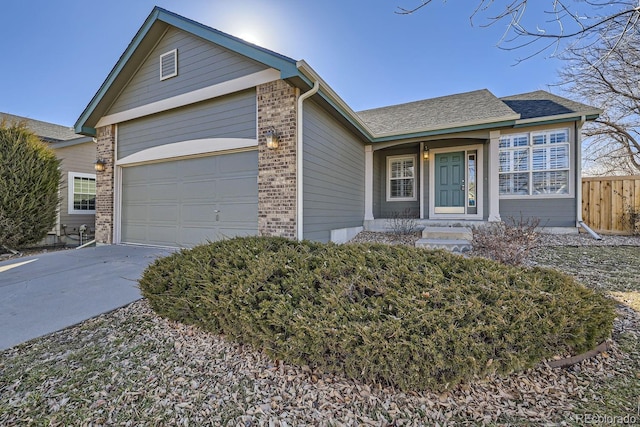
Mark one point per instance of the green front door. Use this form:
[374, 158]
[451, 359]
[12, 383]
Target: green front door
[449, 183]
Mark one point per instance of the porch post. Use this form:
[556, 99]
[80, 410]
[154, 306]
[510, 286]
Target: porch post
[494, 175]
[368, 182]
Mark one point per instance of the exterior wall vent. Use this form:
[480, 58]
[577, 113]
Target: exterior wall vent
[169, 64]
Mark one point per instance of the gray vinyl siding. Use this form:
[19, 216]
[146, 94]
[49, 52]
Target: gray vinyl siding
[333, 175]
[551, 212]
[231, 116]
[200, 64]
[76, 158]
[388, 209]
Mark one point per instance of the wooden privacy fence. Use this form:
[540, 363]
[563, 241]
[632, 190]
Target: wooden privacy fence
[607, 203]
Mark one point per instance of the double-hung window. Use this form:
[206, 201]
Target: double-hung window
[82, 193]
[535, 163]
[401, 178]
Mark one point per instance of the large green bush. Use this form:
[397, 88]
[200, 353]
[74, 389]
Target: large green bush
[396, 315]
[29, 181]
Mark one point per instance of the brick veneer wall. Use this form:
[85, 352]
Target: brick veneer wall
[104, 185]
[277, 168]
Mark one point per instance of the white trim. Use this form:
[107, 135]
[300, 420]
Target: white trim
[449, 210]
[71, 191]
[458, 212]
[173, 52]
[299, 158]
[368, 182]
[494, 176]
[117, 193]
[214, 91]
[194, 147]
[422, 172]
[390, 159]
[530, 171]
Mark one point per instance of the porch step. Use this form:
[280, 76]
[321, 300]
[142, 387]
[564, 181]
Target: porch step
[448, 233]
[454, 239]
[452, 245]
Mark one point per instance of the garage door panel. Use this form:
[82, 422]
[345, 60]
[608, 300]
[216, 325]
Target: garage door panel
[237, 188]
[238, 212]
[198, 213]
[135, 193]
[197, 190]
[174, 203]
[156, 192]
[134, 211]
[163, 235]
[163, 213]
[239, 165]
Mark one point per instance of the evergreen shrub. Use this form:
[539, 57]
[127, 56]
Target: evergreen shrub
[29, 182]
[394, 315]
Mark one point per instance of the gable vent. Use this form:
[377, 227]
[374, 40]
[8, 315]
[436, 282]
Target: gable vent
[169, 64]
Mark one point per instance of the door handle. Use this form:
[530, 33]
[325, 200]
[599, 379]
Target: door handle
[462, 185]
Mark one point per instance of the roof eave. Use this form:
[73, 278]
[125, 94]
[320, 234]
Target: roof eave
[504, 122]
[309, 75]
[559, 118]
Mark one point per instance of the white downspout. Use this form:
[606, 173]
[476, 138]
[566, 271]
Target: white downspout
[299, 160]
[579, 219]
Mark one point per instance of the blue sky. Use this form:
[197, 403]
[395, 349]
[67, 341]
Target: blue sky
[56, 54]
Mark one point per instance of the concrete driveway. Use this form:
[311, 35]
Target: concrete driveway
[44, 293]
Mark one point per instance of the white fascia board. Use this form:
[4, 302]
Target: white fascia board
[191, 148]
[210, 92]
[575, 115]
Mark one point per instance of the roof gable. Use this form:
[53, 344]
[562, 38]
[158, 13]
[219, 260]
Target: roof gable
[145, 40]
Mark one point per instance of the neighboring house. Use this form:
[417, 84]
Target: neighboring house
[77, 154]
[183, 123]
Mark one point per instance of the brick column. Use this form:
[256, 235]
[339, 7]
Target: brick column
[277, 168]
[104, 185]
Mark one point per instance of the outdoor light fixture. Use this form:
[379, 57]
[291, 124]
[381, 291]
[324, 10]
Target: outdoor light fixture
[100, 165]
[272, 139]
[425, 153]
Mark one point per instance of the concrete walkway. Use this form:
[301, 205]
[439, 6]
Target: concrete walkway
[44, 293]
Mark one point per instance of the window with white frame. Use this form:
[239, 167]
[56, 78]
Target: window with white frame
[82, 193]
[534, 163]
[401, 178]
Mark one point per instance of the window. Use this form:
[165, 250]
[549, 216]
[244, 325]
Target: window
[169, 64]
[534, 163]
[82, 193]
[401, 181]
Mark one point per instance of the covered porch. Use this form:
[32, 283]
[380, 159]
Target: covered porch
[444, 181]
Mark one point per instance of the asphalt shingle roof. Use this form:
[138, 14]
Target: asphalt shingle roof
[541, 103]
[48, 132]
[479, 106]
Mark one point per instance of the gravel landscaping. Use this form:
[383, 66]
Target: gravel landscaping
[131, 367]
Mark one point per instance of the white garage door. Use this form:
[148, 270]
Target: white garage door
[185, 202]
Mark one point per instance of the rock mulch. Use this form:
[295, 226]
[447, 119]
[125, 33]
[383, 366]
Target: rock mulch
[167, 373]
[131, 367]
